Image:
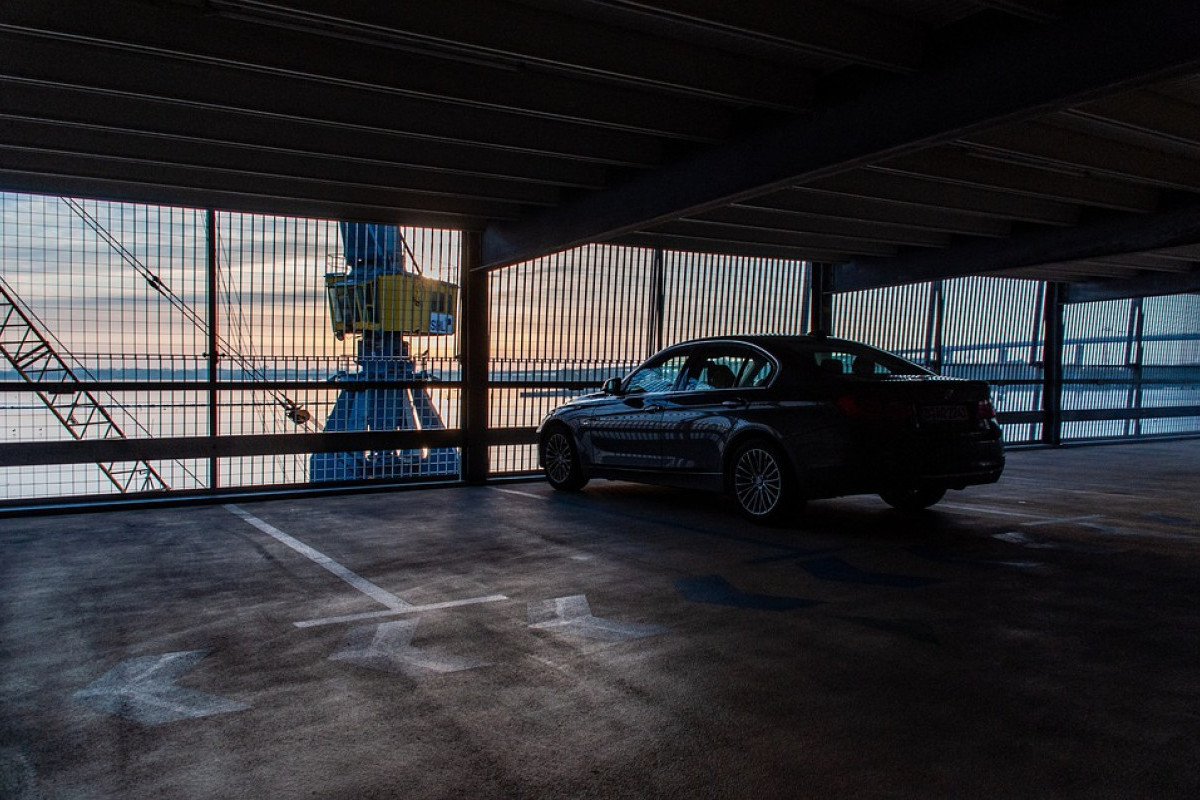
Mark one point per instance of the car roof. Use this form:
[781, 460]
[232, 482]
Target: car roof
[773, 342]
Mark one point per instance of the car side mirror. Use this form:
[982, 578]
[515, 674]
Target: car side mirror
[612, 386]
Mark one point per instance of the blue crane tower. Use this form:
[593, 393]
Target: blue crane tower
[381, 300]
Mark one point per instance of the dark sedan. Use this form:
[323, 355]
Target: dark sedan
[777, 420]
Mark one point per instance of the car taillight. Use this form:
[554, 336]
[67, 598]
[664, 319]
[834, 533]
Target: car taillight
[872, 408]
[984, 410]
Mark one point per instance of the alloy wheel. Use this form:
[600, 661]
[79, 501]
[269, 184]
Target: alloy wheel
[758, 482]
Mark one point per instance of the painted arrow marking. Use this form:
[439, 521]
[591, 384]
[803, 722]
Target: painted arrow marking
[572, 615]
[143, 690]
[387, 647]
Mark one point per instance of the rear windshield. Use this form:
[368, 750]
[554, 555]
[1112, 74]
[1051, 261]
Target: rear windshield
[845, 358]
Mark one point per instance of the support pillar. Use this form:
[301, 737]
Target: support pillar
[1052, 365]
[821, 278]
[476, 350]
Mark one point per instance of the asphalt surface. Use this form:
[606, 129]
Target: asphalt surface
[1038, 638]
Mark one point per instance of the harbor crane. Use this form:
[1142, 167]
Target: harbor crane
[381, 296]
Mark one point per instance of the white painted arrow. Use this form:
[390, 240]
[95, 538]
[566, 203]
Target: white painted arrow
[573, 615]
[143, 690]
[387, 647]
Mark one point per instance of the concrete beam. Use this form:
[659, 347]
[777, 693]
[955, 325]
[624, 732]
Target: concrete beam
[1105, 236]
[1118, 45]
[1141, 286]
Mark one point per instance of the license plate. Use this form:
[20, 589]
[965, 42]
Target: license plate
[944, 413]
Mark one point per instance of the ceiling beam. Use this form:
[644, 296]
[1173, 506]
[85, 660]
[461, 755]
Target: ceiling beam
[1062, 64]
[928, 193]
[289, 97]
[48, 171]
[1148, 114]
[688, 244]
[808, 202]
[1039, 10]
[108, 118]
[955, 165]
[1141, 286]
[798, 242]
[142, 154]
[826, 28]
[1095, 155]
[1105, 235]
[512, 35]
[759, 219]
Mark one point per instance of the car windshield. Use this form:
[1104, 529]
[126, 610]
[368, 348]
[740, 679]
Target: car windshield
[658, 375]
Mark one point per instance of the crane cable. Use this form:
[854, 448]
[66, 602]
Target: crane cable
[291, 409]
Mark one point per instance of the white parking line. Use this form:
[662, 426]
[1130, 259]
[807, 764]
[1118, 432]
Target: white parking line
[320, 559]
[986, 510]
[470, 601]
[1060, 519]
[516, 491]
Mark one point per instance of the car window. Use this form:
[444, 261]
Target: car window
[658, 375]
[728, 369]
[861, 364]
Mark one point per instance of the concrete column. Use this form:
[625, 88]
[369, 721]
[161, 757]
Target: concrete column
[1052, 366]
[476, 350]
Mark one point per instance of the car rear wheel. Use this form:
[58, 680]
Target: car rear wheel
[762, 483]
[913, 498]
[560, 460]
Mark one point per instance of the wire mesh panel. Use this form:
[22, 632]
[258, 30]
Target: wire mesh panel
[896, 319]
[718, 295]
[93, 295]
[280, 323]
[1170, 365]
[562, 325]
[131, 321]
[1132, 368]
[992, 329]
[128, 321]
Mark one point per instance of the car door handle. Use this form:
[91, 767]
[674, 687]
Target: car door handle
[652, 408]
[735, 403]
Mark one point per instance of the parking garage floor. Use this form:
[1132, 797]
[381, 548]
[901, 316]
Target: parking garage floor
[1036, 638]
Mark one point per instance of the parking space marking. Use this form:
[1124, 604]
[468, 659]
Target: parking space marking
[988, 510]
[470, 601]
[360, 583]
[1036, 523]
[518, 492]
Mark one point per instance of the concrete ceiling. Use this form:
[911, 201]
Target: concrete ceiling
[898, 139]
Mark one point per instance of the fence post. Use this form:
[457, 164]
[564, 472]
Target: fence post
[658, 301]
[214, 355]
[476, 351]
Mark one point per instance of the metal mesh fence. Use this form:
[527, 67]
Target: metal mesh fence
[170, 326]
[562, 325]
[129, 321]
[1132, 368]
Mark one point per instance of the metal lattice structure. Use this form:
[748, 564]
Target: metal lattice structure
[80, 412]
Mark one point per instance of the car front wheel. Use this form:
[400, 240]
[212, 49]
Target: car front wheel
[913, 498]
[560, 460]
[762, 483]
